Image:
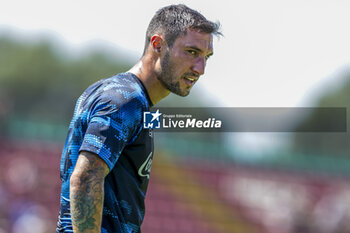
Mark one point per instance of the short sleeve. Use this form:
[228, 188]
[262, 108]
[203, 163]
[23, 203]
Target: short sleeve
[111, 128]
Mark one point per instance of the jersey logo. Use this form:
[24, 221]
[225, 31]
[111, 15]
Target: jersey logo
[145, 168]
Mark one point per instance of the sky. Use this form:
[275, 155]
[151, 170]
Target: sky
[274, 53]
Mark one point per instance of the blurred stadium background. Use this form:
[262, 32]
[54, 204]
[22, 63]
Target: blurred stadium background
[199, 182]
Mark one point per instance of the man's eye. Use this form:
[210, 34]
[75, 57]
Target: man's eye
[192, 52]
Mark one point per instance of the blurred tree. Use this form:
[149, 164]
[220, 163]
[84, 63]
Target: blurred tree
[38, 80]
[327, 143]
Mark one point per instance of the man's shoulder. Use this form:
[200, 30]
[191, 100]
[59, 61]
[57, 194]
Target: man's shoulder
[122, 82]
[118, 90]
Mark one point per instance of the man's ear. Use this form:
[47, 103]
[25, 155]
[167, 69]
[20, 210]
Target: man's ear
[157, 43]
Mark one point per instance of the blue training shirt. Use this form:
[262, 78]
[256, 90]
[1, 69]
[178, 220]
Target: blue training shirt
[108, 121]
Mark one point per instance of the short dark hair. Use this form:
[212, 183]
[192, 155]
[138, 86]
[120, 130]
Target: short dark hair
[174, 20]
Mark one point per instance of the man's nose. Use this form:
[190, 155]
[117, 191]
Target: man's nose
[199, 66]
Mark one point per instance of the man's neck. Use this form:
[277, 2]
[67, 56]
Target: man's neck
[145, 71]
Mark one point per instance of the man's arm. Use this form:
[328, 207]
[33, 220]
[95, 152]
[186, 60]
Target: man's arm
[87, 193]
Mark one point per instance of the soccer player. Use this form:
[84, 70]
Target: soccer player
[107, 156]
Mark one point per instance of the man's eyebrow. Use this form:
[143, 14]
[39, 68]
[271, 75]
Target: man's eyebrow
[194, 47]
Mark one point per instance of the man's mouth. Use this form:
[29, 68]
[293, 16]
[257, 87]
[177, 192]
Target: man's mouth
[190, 81]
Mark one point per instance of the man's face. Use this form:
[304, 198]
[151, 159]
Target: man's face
[182, 64]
